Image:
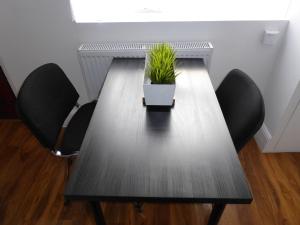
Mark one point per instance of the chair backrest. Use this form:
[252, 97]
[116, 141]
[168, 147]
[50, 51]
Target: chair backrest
[44, 101]
[242, 106]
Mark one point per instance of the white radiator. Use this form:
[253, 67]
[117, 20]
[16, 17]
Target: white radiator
[95, 58]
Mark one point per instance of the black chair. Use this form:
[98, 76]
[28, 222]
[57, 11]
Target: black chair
[44, 101]
[242, 106]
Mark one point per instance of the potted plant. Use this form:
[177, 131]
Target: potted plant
[160, 75]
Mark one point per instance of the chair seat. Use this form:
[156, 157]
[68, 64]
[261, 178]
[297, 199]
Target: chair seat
[76, 129]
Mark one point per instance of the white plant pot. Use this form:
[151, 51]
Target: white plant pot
[157, 94]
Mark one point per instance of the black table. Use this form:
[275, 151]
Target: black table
[183, 155]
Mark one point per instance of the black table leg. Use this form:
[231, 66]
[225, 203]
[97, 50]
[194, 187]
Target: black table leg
[216, 213]
[99, 218]
[138, 206]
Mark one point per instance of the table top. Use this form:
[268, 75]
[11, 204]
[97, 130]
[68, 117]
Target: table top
[183, 155]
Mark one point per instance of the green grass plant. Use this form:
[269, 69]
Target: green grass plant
[161, 64]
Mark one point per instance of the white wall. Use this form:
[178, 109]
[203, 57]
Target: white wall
[282, 92]
[286, 74]
[35, 32]
[289, 140]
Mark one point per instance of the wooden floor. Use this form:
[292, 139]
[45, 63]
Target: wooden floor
[32, 183]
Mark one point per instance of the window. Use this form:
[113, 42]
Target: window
[173, 10]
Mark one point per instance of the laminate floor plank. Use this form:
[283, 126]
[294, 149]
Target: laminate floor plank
[32, 186]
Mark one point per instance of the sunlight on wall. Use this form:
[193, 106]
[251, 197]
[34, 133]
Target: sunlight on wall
[170, 10]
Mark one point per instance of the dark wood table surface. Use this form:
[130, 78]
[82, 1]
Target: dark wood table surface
[183, 155]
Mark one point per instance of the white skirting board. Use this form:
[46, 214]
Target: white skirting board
[263, 137]
[285, 137]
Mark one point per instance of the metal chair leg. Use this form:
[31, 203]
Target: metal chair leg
[66, 169]
[68, 164]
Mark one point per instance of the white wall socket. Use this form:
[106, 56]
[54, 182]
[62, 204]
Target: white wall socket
[271, 37]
